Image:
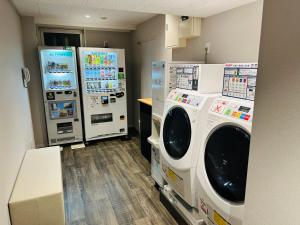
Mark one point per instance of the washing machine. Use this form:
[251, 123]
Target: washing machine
[185, 113]
[223, 160]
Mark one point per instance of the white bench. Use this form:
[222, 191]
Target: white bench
[37, 198]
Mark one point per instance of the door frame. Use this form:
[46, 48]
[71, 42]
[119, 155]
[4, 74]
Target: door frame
[43, 30]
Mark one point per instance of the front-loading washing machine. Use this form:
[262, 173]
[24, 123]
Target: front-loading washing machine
[184, 115]
[221, 172]
[223, 161]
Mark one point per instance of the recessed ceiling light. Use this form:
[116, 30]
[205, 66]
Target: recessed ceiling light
[87, 16]
[103, 18]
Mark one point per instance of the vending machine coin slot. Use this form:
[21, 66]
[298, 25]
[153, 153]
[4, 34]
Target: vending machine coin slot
[112, 100]
[59, 92]
[122, 117]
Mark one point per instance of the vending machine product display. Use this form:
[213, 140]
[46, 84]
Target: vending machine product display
[103, 79]
[61, 94]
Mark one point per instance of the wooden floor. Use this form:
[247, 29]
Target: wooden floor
[109, 183]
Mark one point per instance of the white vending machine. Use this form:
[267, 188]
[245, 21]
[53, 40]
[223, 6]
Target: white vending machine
[103, 79]
[61, 94]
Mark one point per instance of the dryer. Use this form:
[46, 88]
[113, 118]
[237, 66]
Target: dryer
[185, 112]
[221, 173]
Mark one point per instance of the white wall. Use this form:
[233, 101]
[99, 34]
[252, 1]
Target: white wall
[273, 185]
[15, 120]
[148, 42]
[30, 44]
[233, 36]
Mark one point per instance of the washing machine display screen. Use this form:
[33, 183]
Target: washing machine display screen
[177, 132]
[226, 162]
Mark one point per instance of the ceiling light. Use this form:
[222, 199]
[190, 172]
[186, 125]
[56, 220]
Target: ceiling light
[87, 16]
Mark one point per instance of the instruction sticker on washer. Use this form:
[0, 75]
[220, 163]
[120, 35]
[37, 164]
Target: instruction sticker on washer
[173, 178]
[219, 220]
[213, 216]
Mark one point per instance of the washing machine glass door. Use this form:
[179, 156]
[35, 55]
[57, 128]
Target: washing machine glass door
[226, 161]
[177, 132]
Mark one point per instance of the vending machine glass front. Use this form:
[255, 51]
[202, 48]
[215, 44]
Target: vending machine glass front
[58, 69]
[100, 71]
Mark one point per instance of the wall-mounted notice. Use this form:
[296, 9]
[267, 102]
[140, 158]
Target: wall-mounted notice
[240, 80]
[186, 76]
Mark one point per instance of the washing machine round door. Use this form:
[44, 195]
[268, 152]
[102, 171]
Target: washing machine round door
[177, 132]
[226, 161]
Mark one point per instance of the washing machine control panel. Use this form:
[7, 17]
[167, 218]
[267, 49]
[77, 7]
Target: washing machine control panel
[237, 110]
[184, 98]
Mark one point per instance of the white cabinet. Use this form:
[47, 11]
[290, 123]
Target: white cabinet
[37, 197]
[190, 27]
[172, 39]
[178, 30]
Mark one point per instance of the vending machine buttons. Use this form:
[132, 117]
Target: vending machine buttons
[50, 95]
[104, 100]
[68, 92]
[120, 94]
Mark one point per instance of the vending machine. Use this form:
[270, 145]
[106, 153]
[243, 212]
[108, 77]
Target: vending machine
[103, 80]
[61, 94]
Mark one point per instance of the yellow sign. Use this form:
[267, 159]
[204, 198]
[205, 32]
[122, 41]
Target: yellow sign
[219, 219]
[171, 175]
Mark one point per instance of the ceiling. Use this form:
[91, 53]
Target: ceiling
[121, 14]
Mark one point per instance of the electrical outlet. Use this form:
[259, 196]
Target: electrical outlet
[207, 46]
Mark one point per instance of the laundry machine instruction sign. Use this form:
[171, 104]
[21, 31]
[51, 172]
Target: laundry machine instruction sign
[174, 178]
[240, 81]
[219, 219]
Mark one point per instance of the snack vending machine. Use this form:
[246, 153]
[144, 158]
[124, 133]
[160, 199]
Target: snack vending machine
[61, 94]
[103, 79]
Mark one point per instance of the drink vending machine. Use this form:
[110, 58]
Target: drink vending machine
[103, 79]
[61, 94]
